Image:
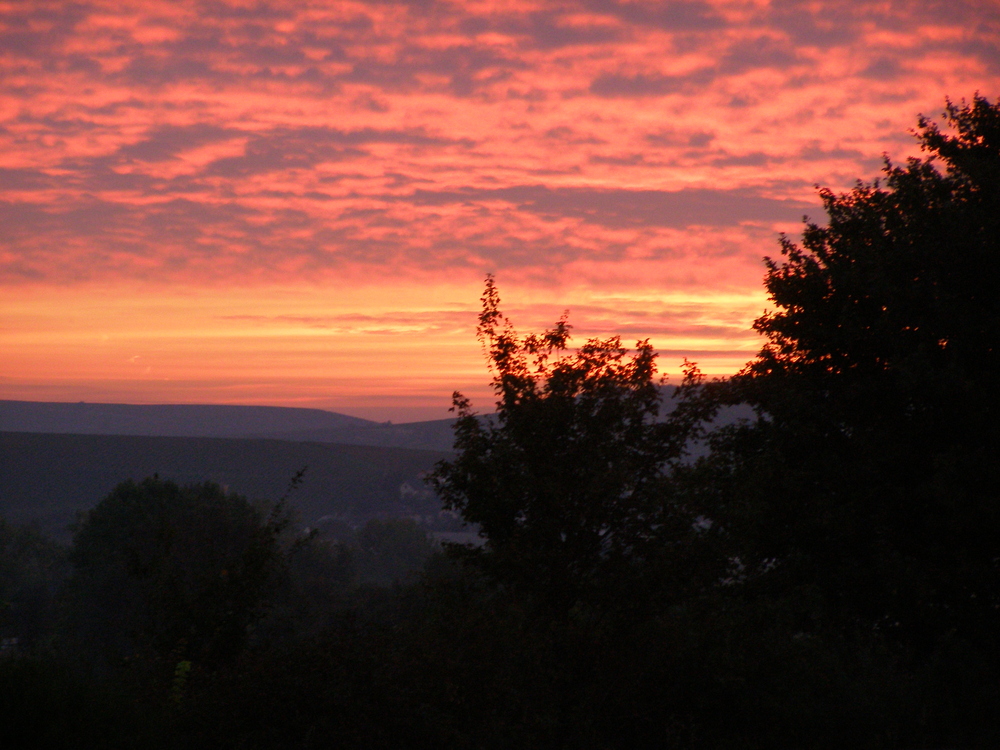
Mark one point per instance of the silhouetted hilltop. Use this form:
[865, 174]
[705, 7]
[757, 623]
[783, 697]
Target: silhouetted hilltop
[433, 435]
[179, 420]
[49, 478]
[257, 422]
[206, 420]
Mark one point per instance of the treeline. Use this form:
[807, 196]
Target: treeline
[825, 574]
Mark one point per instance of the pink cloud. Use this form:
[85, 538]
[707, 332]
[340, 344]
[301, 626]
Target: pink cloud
[612, 146]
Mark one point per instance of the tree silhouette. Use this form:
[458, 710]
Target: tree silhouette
[161, 569]
[871, 473]
[567, 481]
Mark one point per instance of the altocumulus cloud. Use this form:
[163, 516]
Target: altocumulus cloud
[191, 140]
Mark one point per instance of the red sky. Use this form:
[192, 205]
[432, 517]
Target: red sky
[296, 203]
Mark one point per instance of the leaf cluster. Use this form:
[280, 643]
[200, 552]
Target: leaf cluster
[870, 473]
[567, 480]
[172, 570]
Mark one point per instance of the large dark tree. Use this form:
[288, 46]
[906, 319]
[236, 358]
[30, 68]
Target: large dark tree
[162, 570]
[872, 473]
[567, 480]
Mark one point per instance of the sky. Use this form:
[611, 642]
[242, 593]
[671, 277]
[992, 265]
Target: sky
[297, 203]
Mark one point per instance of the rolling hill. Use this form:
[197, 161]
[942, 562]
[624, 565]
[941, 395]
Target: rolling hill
[208, 420]
[49, 478]
[166, 420]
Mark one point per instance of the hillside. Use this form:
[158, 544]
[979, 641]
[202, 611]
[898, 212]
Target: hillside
[433, 435]
[178, 420]
[208, 420]
[49, 478]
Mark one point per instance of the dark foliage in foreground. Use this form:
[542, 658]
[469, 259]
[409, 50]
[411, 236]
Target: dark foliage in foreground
[879, 384]
[569, 481]
[826, 577]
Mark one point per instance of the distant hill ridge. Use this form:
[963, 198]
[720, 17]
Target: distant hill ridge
[210, 420]
[47, 478]
[167, 420]
[256, 422]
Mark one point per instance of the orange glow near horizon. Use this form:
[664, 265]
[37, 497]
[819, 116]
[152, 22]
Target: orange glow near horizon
[296, 203]
[306, 347]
